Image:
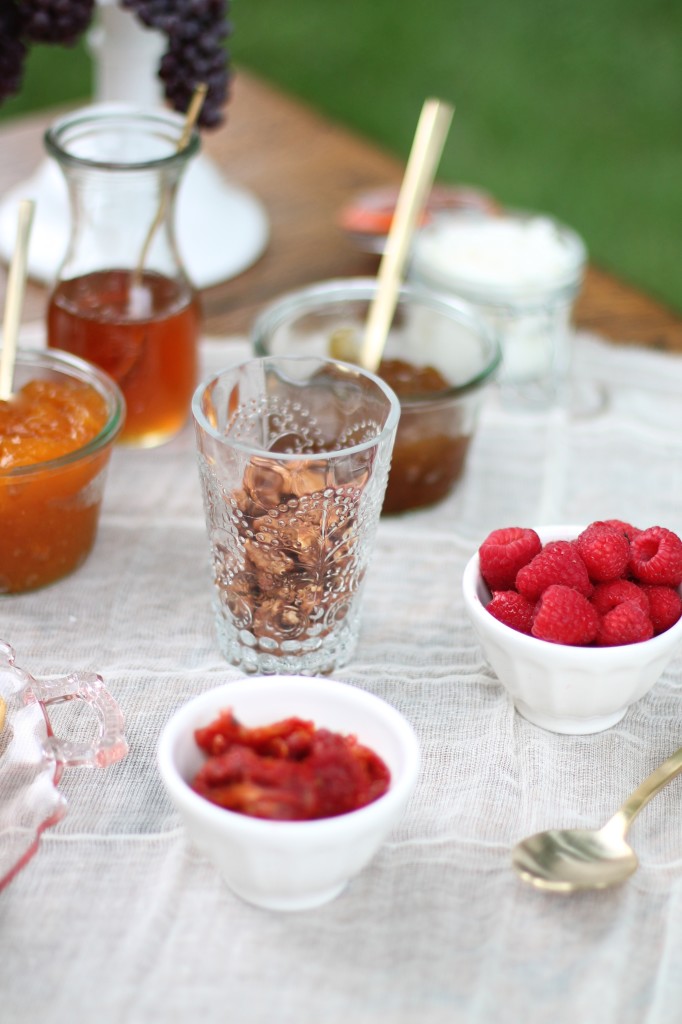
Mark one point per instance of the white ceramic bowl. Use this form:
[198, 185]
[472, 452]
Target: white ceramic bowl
[290, 865]
[565, 689]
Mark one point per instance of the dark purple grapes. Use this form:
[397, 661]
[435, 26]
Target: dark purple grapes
[55, 21]
[195, 30]
[12, 50]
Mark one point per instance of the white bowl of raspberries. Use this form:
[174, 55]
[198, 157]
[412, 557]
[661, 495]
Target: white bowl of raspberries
[577, 622]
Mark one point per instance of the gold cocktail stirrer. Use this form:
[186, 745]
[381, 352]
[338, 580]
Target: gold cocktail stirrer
[14, 299]
[191, 116]
[429, 139]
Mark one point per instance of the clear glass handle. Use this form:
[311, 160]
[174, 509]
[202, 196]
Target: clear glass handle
[107, 747]
[110, 744]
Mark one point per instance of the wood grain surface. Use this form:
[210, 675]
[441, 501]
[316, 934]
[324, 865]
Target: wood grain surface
[304, 169]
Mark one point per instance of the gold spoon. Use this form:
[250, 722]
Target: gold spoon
[567, 860]
[14, 299]
[193, 111]
[422, 163]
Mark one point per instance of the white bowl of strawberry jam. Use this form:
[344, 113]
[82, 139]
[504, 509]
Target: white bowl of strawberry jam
[56, 434]
[295, 798]
[591, 646]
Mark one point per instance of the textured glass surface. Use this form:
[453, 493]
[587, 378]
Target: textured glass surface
[32, 757]
[293, 479]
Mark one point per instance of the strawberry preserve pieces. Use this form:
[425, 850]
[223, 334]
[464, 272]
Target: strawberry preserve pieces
[286, 771]
[614, 584]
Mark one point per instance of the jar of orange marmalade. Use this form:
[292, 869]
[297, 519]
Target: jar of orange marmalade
[122, 299]
[56, 434]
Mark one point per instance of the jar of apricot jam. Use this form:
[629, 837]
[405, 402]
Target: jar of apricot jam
[56, 436]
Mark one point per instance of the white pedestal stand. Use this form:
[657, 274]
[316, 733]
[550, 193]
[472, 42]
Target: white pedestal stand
[221, 228]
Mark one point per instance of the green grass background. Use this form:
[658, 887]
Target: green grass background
[574, 108]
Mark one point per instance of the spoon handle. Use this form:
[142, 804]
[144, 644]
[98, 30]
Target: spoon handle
[626, 814]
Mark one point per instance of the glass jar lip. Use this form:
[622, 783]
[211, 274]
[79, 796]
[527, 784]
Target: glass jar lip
[101, 117]
[389, 426]
[73, 366]
[306, 299]
[529, 295]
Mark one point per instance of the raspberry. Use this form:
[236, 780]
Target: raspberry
[504, 552]
[624, 624]
[513, 610]
[565, 616]
[605, 550]
[626, 528]
[558, 562]
[665, 606]
[656, 556]
[609, 595]
[627, 577]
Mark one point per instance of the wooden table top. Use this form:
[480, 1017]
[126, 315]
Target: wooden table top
[304, 168]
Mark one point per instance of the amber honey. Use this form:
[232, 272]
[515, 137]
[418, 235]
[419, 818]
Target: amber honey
[142, 331]
[432, 442]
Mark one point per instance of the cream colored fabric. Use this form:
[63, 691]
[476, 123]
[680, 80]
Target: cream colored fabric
[118, 919]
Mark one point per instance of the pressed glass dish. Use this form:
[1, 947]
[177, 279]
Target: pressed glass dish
[32, 757]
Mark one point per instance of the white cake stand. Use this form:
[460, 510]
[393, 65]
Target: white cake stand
[221, 228]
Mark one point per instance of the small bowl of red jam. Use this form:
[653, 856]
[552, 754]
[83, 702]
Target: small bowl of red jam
[440, 357]
[288, 784]
[57, 430]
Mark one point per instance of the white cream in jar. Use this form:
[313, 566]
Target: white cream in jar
[522, 271]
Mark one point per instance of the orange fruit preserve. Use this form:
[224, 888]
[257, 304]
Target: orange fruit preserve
[50, 492]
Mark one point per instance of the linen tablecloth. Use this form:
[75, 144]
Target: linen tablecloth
[118, 918]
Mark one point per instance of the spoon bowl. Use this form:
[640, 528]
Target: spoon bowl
[569, 860]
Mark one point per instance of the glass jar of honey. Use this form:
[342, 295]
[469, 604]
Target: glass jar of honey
[122, 299]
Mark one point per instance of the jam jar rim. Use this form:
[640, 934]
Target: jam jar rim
[105, 115]
[73, 366]
[388, 428]
[362, 289]
[513, 298]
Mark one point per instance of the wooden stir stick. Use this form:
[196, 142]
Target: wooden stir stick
[14, 299]
[191, 116]
[432, 129]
